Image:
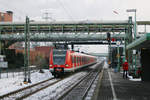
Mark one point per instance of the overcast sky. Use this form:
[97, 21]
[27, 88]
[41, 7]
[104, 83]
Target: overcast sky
[76, 9]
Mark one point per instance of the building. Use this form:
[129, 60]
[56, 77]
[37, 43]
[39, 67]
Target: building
[42, 51]
[6, 17]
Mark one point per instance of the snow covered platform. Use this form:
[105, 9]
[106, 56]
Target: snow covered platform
[114, 87]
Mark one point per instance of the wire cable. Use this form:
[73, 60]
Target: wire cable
[66, 11]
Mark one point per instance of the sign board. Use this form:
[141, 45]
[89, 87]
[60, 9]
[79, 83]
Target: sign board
[118, 43]
[134, 51]
[33, 66]
[3, 64]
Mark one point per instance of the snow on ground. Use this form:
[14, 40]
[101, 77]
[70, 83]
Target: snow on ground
[55, 90]
[94, 66]
[133, 79]
[105, 65]
[136, 79]
[11, 84]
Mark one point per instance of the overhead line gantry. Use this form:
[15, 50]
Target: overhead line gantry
[74, 31]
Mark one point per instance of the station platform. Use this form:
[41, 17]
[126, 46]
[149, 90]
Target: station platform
[114, 87]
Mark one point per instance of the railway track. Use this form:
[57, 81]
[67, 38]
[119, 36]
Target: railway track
[77, 82]
[81, 88]
[27, 91]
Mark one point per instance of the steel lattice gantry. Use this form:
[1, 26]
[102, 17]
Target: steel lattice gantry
[59, 37]
[64, 31]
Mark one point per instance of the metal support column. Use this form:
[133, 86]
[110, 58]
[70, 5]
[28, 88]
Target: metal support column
[109, 55]
[130, 39]
[135, 57]
[125, 44]
[25, 52]
[124, 49]
[0, 50]
[28, 40]
[118, 55]
[135, 29]
[110, 52]
[0, 41]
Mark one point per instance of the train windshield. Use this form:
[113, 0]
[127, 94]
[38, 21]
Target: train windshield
[59, 57]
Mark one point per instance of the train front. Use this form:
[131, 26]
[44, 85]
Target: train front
[57, 62]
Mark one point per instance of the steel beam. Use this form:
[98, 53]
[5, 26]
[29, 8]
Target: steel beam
[143, 22]
[142, 42]
[60, 37]
[65, 27]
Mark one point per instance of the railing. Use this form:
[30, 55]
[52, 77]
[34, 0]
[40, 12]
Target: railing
[12, 73]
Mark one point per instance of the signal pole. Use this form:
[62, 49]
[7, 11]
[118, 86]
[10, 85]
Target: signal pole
[109, 46]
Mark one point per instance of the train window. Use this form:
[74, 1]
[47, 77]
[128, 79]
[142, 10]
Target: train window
[59, 57]
[80, 59]
[83, 59]
[72, 58]
[59, 52]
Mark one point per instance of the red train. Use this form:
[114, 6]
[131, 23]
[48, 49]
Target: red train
[63, 61]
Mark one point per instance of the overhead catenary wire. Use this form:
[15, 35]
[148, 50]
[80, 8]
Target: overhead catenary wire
[66, 11]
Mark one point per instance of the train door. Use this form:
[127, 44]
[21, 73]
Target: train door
[81, 60]
[73, 63]
[77, 61]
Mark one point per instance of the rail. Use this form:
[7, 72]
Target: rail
[81, 87]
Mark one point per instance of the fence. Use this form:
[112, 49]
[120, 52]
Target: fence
[11, 73]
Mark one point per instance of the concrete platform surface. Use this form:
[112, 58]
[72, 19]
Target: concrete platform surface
[114, 87]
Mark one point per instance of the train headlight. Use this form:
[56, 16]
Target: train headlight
[50, 65]
[67, 65]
